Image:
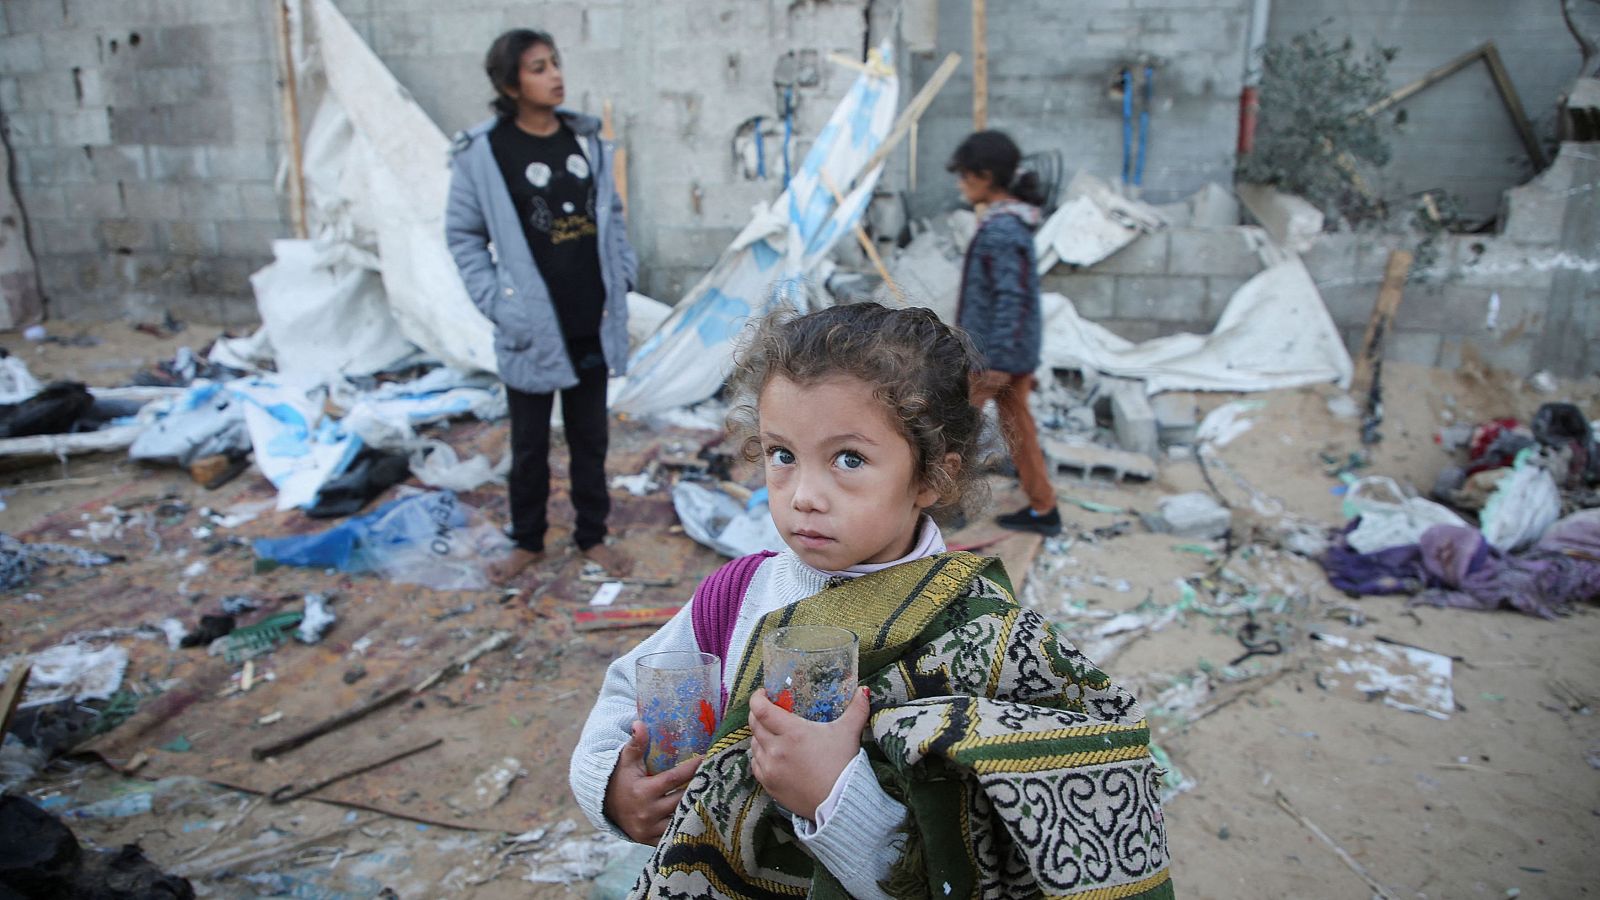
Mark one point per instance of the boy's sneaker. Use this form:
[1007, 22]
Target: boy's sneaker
[1025, 519]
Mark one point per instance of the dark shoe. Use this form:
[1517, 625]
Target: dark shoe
[1025, 519]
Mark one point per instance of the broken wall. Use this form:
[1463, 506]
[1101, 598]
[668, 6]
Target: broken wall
[1457, 136]
[1053, 85]
[146, 138]
[1525, 299]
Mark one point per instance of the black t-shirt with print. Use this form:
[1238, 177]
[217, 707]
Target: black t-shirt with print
[552, 187]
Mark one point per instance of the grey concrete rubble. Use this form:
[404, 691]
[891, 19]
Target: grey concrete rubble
[1177, 418]
[1194, 515]
[1133, 420]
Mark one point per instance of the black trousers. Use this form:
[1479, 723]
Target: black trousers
[583, 415]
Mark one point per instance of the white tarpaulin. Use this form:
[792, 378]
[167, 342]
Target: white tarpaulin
[405, 159]
[1091, 224]
[322, 306]
[688, 358]
[1275, 333]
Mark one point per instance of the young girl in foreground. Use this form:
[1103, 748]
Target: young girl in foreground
[984, 755]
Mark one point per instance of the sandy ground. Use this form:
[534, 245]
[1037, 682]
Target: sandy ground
[1289, 787]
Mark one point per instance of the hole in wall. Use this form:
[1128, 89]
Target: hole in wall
[133, 39]
[113, 45]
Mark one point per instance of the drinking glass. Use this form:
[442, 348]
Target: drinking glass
[810, 670]
[680, 693]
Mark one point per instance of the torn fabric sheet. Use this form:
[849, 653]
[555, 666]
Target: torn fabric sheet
[1091, 224]
[1275, 333]
[689, 356]
[401, 156]
[297, 448]
[69, 672]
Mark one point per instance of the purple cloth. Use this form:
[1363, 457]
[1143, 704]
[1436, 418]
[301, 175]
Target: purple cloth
[1562, 568]
[1396, 570]
[1454, 566]
[716, 603]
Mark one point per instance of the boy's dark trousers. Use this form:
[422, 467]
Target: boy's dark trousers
[583, 416]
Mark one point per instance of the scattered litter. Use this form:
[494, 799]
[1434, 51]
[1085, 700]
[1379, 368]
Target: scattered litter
[175, 632]
[1388, 521]
[1407, 678]
[271, 718]
[578, 859]
[489, 788]
[316, 620]
[606, 594]
[19, 560]
[721, 522]
[1225, 423]
[638, 485]
[430, 539]
[69, 671]
[1524, 505]
[210, 628]
[179, 744]
[238, 604]
[1192, 515]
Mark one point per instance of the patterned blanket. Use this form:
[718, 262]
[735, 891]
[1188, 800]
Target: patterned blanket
[1025, 771]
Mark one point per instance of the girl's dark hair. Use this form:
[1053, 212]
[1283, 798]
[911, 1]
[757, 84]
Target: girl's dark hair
[918, 367]
[503, 63]
[995, 154]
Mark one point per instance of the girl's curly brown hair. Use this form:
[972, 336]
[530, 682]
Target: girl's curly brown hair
[918, 366]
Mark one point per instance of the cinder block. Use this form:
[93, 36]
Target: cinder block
[190, 238]
[174, 85]
[10, 95]
[1145, 256]
[1165, 299]
[152, 201]
[90, 87]
[246, 83]
[1418, 347]
[84, 128]
[30, 129]
[1206, 251]
[34, 15]
[68, 47]
[1093, 296]
[48, 90]
[57, 165]
[1349, 304]
[168, 163]
[21, 53]
[1133, 420]
[94, 201]
[141, 124]
[1331, 260]
[42, 201]
[213, 200]
[209, 122]
[260, 201]
[1292, 222]
[124, 235]
[1177, 418]
[120, 162]
[248, 239]
[1498, 262]
[222, 275]
[58, 236]
[242, 162]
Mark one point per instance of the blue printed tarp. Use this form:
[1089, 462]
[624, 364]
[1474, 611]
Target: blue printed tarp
[689, 356]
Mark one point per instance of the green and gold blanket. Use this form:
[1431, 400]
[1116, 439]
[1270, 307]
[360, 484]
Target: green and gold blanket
[1025, 771]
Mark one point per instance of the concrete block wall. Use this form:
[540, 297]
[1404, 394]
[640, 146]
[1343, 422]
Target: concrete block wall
[1052, 67]
[1457, 136]
[146, 137]
[1525, 299]
[681, 76]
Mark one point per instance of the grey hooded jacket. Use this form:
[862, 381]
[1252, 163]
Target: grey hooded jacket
[497, 267]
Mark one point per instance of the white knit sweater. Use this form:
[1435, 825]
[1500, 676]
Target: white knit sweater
[854, 836]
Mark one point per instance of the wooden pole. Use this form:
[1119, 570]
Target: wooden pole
[866, 242]
[619, 154]
[290, 107]
[980, 65]
[1389, 295]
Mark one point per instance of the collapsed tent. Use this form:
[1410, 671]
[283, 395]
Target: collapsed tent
[1274, 333]
[690, 355]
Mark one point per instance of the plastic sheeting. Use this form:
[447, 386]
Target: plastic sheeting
[1275, 333]
[323, 309]
[394, 174]
[688, 358]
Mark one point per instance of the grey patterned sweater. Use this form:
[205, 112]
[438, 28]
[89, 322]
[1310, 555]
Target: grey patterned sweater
[999, 300]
